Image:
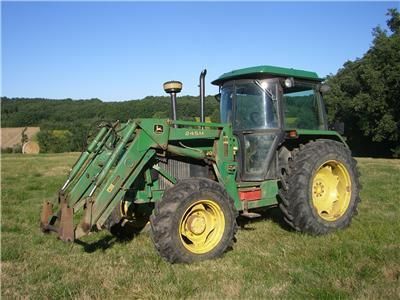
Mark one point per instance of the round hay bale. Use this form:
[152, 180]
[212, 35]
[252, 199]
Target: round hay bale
[30, 148]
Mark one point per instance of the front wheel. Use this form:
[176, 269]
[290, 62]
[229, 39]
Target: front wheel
[123, 227]
[321, 189]
[195, 220]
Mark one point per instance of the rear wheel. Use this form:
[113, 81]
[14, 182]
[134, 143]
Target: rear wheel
[331, 192]
[195, 220]
[321, 189]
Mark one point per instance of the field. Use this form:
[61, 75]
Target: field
[268, 260]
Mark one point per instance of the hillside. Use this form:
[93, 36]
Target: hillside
[76, 117]
[61, 114]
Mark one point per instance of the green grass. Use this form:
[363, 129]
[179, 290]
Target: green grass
[268, 261]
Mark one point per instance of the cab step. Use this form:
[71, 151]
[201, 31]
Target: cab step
[250, 215]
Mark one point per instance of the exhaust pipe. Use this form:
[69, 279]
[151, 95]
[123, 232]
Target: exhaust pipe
[202, 94]
[172, 88]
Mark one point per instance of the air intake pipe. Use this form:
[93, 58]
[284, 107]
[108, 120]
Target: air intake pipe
[172, 88]
[202, 94]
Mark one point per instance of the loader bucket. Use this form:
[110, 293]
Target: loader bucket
[47, 211]
[65, 227]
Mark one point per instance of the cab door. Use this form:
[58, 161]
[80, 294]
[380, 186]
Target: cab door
[257, 125]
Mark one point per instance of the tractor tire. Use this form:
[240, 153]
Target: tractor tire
[195, 221]
[122, 227]
[320, 190]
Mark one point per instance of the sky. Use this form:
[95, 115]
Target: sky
[118, 51]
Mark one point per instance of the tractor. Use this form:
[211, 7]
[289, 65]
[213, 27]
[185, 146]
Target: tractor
[192, 180]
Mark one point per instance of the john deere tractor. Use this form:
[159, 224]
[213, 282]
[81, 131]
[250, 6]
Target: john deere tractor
[191, 180]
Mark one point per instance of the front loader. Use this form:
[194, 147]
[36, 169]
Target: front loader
[191, 180]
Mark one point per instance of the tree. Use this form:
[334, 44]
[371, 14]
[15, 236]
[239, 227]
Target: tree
[365, 93]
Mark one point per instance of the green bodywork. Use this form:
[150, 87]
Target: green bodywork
[263, 71]
[125, 157]
[309, 134]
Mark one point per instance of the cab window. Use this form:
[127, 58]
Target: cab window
[255, 108]
[302, 107]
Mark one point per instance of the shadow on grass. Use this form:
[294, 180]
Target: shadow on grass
[126, 234]
[102, 244]
[119, 235]
[272, 213]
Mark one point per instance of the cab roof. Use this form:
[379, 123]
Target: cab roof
[260, 72]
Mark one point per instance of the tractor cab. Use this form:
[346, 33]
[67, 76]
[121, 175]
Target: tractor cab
[263, 104]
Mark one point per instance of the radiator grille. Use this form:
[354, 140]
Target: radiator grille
[178, 169]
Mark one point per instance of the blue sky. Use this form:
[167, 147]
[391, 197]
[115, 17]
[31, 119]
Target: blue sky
[126, 50]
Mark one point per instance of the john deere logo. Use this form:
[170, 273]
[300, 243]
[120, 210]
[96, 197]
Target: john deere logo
[158, 128]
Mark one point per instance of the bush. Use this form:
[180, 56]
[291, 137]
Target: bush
[14, 149]
[396, 152]
[55, 141]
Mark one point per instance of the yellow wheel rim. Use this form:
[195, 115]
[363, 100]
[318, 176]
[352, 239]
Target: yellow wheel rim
[202, 226]
[331, 190]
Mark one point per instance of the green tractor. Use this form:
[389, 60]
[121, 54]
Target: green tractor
[191, 180]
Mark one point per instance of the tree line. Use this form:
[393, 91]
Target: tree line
[65, 123]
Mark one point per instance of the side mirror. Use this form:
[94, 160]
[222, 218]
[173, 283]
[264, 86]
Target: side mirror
[218, 97]
[337, 126]
[324, 88]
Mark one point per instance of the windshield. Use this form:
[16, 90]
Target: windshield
[226, 103]
[254, 107]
